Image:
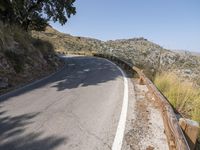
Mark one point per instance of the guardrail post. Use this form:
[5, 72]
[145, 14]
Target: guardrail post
[191, 131]
[141, 81]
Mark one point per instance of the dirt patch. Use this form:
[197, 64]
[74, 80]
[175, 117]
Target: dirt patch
[147, 131]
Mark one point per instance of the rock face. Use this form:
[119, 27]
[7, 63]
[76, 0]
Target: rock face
[23, 58]
[138, 51]
[150, 56]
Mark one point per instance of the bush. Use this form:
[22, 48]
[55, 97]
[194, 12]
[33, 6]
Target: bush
[183, 95]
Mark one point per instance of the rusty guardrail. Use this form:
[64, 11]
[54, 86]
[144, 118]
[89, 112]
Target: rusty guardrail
[176, 138]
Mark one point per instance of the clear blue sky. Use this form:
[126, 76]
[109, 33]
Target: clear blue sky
[174, 24]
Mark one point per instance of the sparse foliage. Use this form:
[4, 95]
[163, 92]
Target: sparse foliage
[183, 95]
[34, 14]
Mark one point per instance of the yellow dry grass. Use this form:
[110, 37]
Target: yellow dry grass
[183, 95]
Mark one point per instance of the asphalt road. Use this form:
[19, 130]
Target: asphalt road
[78, 108]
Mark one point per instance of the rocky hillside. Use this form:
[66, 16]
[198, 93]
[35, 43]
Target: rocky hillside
[23, 58]
[139, 51]
[64, 42]
[154, 58]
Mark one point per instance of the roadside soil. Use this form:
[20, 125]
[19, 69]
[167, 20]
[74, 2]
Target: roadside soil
[147, 129]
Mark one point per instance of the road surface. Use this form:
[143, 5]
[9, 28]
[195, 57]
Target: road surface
[81, 107]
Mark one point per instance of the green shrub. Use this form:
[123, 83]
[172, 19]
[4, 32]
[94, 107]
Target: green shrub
[183, 95]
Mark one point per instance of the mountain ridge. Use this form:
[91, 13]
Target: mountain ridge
[139, 51]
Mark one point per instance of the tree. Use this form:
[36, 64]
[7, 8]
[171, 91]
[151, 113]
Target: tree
[37, 23]
[6, 11]
[34, 14]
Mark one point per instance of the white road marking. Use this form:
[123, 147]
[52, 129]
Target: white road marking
[86, 70]
[119, 136]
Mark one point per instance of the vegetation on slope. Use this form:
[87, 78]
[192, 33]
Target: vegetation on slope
[183, 95]
[23, 58]
[67, 43]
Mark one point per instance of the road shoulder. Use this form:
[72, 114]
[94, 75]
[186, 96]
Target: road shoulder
[145, 128]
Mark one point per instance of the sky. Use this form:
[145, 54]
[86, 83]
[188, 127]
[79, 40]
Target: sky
[173, 24]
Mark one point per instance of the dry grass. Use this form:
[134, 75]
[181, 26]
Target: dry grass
[183, 95]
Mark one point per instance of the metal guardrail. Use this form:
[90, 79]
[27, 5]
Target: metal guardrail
[176, 138]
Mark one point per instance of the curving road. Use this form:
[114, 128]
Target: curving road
[81, 107]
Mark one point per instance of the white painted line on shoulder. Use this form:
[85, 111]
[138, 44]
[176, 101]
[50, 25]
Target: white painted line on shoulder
[119, 136]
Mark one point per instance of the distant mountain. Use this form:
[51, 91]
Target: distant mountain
[139, 51]
[187, 52]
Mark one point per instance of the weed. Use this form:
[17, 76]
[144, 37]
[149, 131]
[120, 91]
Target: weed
[183, 95]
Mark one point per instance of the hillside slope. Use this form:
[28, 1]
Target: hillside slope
[23, 58]
[151, 56]
[139, 51]
[65, 42]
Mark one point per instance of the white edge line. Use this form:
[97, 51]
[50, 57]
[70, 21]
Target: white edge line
[119, 136]
[117, 144]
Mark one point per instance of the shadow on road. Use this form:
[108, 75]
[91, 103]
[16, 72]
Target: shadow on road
[87, 73]
[13, 134]
[79, 71]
